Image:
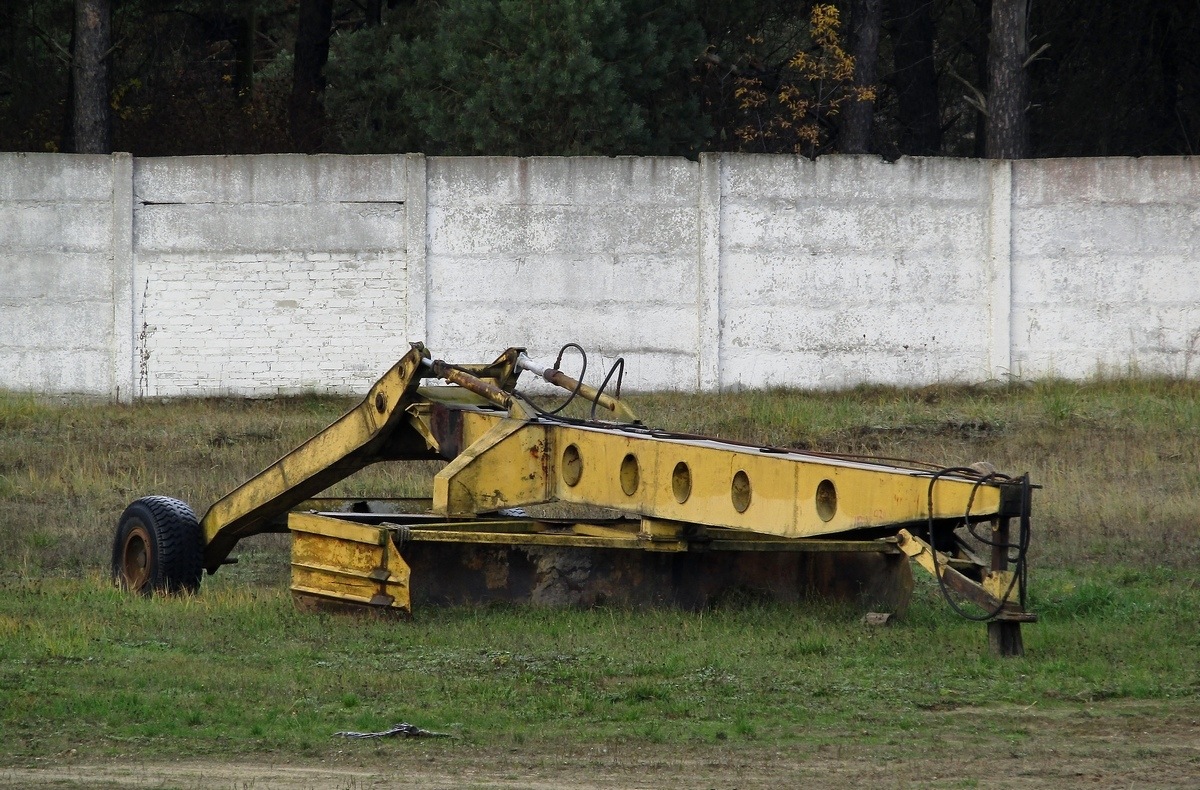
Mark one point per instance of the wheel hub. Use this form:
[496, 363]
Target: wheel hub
[136, 559]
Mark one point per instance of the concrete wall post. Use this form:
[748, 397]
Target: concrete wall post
[999, 241]
[708, 281]
[416, 325]
[124, 355]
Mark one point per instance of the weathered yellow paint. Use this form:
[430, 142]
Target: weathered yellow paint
[921, 552]
[747, 542]
[989, 596]
[999, 584]
[677, 493]
[333, 454]
[659, 535]
[563, 539]
[516, 464]
[341, 561]
[627, 533]
[504, 468]
[657, 529]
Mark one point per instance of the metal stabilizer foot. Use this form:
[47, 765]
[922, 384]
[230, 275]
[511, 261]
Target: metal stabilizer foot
[1004, 639]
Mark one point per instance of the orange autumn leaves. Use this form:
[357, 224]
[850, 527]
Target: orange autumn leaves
[791, 109]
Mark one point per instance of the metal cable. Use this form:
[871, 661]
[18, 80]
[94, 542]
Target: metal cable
[619, 364]
[1022, 544]
[578, 380]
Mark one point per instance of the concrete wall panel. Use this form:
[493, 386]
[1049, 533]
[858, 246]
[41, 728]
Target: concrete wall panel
[276, 178]
[57, 370]
[57, 273]
[54, 178]
[67, 277]
[263, 325]
[255, 227]
[853, 178]
[540, 252]
[68, 226]
[1055, 182]
[267, 275]
[1106, 266]
[563, 181]
[838, 260]
[260, 275]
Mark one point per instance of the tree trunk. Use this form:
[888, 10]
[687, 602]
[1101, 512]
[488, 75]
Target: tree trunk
[91, 122]
[979, 54]
[68, 118]
[1008, 81]
[916, 78]
[306, 109]
[866, 19]
[374, 13]
[246, 41]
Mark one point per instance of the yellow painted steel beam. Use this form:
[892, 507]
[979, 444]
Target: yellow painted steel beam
[716, 484]
[563, 539]
[353, 441]
[755, 543]
[644, 534]
[707, 482]
[503, 468]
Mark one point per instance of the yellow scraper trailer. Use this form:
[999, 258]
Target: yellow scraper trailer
[642, 490]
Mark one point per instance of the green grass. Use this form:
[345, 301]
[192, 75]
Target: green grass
[237, 669]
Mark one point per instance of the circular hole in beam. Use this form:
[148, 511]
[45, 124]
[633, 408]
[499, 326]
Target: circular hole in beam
[739, 491]
[826, 500]
[681, 482]
[572, 465]
[629, 474]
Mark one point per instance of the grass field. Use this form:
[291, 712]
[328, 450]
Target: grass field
[87, 674]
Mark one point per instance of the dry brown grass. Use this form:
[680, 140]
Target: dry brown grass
[1119, 460]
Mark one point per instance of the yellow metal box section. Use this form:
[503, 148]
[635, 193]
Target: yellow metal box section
[695, 481]
[707, 482]
[504, 467]
[343, 562]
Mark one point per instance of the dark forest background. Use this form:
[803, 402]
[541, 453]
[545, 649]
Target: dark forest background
[970, 78]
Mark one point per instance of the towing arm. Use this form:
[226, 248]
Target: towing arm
[376, 428]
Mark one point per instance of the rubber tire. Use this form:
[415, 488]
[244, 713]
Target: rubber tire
[167, 534]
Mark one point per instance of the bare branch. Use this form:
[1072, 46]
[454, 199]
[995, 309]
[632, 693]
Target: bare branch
[114, 48]
[977, 99]
[1034, 56]
[55, 48]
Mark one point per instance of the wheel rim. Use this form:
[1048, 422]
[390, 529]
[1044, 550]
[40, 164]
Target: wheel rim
[136, 559]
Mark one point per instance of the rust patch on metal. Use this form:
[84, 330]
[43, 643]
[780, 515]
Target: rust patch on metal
[453, 574]
[484, 389]
[446, 424]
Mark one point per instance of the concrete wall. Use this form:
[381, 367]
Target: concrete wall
[849, 269]
[1106, 266]
[275, 274]
[269, 275]
[538, 252]
[64, 272]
